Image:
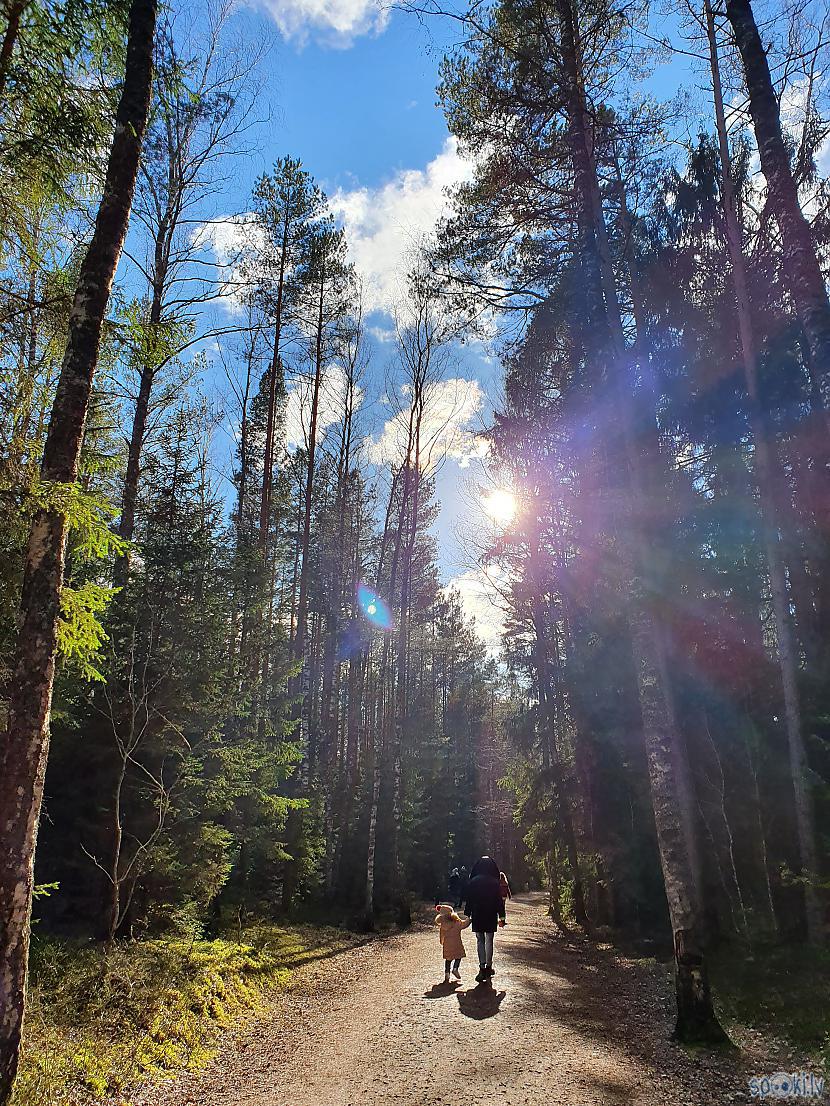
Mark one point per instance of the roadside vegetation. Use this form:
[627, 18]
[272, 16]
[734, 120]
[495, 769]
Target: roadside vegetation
[101, 1021]
[779, 992]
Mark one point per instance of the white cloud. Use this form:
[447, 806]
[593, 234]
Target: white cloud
[227, 239]
[794, 112]
[450, 408]
[330, 407]
[334, 22]
[480, 600]
[383, 333]
[384, 224]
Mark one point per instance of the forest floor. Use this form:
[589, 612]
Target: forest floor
[565, 1022]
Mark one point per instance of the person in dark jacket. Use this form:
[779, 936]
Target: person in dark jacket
[485, 906]
[454, 887]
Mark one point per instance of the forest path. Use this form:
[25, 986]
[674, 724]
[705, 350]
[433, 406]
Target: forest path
[564, 1023]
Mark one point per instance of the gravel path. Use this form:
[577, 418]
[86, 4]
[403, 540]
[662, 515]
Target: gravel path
[565, 1023]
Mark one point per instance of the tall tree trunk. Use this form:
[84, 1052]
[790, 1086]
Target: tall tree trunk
[293, 831]
[401, 689]
[765, 478]
[25, 744]
[382, 741]
[696, 1019]
[801, 266]
[270, 427]
[333, 722]
[369, 895]
[554, 763]
[138, 432]
[16, 9]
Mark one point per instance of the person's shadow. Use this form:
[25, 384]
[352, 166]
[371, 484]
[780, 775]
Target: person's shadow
[441, 990]
[480, 1002]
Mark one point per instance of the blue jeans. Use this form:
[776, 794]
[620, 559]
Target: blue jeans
[485, 949]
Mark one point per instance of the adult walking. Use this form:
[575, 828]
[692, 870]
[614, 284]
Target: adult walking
[454, 887]
[485, 907]
[465, 883]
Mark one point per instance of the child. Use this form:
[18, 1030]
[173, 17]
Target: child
[449, 934]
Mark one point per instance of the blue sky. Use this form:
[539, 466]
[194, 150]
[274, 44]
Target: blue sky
[351, 91]
[357, 115]
[360, 111]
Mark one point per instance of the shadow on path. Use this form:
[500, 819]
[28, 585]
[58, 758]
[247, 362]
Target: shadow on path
[480, 1002]
[614, 1003]
[441, 990]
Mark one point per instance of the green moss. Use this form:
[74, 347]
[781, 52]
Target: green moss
[99, 1023]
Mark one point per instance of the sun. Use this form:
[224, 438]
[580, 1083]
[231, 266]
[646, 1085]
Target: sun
[500, 505]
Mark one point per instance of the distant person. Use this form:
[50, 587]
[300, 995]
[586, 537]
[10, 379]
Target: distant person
[449, 935]
[485, 908]
[465, 880]
[454, 887]
[504, 887]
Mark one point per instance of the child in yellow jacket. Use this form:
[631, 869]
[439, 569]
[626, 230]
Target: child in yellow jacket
[449, 934]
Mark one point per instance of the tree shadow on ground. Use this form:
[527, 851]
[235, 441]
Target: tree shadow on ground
[291, 960]
[622, 1006]
[480, 1002]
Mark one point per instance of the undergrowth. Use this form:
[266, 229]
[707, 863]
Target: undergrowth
[780, 991]
[100, 1022]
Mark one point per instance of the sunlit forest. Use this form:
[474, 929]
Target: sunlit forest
[240, 687]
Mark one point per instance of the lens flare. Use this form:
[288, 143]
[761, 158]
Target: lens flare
[373, 608]
[500, 505]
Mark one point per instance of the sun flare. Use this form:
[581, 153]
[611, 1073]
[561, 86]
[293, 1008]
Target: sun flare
[500, 505]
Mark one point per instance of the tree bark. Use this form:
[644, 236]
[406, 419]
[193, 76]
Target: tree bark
[369, 893]
[696, 1019]
[114, 904]
[25, 744]
[554, 763]
[270, 427]
[16, 9]
[294, 824]
[765, 478]
[801, 266]
[129, 495]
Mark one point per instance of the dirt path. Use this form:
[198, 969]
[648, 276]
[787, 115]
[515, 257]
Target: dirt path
[564, 1023]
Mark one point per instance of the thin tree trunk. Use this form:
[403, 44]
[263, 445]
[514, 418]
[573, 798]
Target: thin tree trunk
[302, 598]
[294, 824]
[765, 478]
[801, 266]
[25, 745]
[369, 898]
[270, 428]
[553, 762]
[114, 904]
[401, 692]
[129, 496]
[382, 746]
